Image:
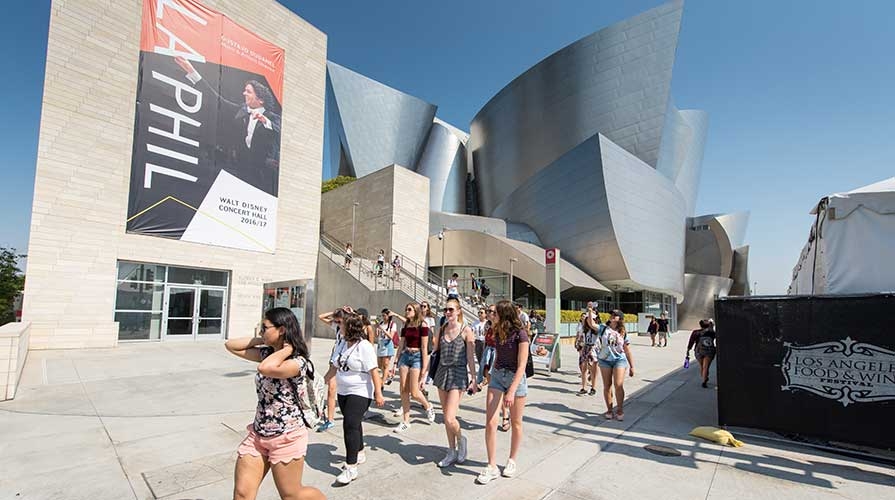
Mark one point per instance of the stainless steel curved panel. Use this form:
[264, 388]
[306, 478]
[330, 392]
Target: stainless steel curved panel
[476, 249]
[444, 162]
[740, 272]
[735, 225]
[612, 215]
[379, 126]
[700, 292]
[615, 82]
[681, 151]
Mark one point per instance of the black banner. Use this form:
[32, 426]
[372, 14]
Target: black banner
[819, 367]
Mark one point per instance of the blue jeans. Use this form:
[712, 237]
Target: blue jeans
[413, 360]
[501, 379]
[487, 359]
[619, 362]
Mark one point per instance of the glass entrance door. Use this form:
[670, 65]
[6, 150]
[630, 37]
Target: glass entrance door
[181, 312]
[195, 312]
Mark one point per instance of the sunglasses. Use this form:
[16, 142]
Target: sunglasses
[449, 309]
[408, 309]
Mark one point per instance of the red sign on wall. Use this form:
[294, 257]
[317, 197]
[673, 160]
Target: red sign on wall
[551, 255]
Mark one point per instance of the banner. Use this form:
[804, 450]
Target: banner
[817, 367]
[543, 349]
[206, 154]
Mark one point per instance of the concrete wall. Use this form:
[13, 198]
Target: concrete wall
[13, 352]
[393, 194]
[83, 172]
[337, 288]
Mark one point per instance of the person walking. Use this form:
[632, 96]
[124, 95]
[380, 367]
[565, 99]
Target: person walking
[347, 256]
[369, 330]
[455, 342]
[385, 344]
[652, 329]
[487, 360]
[413, 359]
[380, 262]
[277, 438]
[662, 330]
[585, 343]
[478, 330]
[333, 319]
[453, 287]
[507, 386]
[353, 366]
[614, 358]
[474, 283]
[704, 342]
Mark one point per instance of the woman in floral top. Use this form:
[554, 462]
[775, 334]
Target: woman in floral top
[277, 439]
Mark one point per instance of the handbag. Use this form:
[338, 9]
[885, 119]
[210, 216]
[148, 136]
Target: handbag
[434, 360]
[529, 365]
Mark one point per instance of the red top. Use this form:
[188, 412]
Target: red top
[489, 338]
[413, 335]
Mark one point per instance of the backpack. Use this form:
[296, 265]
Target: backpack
[311, 396]
[485, 290]
[707, 344]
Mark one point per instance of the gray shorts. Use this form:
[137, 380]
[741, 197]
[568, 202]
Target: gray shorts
[501, 379]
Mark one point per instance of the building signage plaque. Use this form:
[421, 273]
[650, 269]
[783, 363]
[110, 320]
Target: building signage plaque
[846, 370]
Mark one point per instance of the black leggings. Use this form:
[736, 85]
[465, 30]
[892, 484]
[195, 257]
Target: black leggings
[353, 408]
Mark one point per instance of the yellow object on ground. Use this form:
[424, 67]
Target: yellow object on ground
[717, 435]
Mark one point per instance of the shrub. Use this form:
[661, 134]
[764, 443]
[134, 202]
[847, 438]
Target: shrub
[567, 316]
[336, 182]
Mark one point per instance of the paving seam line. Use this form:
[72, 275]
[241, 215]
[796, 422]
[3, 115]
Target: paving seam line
[106, 431]
[632, 424]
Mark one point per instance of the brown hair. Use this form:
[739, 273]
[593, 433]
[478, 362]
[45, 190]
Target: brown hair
[508, 320]
[417, 318]
[621, 322]
[354, 328]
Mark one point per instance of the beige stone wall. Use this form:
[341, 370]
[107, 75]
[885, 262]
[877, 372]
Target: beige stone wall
[391, 194]
[83, 172]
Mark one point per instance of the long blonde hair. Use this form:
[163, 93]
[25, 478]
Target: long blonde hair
[417, 318]
[460, 319]
[507, 320]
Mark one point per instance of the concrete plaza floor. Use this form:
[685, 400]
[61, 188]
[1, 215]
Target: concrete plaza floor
[155, 421]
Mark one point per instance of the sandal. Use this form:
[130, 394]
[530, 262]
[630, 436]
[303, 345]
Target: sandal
[620, 416]
[609, 415]
[505, 425]
[582, 392]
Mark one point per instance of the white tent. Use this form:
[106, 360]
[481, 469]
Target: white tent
[851, 247]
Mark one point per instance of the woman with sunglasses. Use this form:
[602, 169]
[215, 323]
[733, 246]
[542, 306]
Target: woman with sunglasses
[333, 319]
[413, 359]
[277, 438]
[354, 367]
[507, 387]
[456, 343]
[385, 344]
[615, 359]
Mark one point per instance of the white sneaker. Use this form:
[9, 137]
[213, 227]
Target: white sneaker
[461, 450]
[349, 473]
[402, 427]
[361, 457]
[430, 414]
[398, 413]
[448, 459]
[488, 475]
[510, 469]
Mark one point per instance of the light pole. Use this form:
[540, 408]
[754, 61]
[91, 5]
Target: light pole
[391, 235]
[755, 288]
[512, 261]
[441, 237]
[353, 224]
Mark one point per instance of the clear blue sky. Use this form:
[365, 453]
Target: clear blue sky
[800, 94]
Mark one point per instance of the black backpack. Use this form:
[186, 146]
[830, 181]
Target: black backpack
[486, 290]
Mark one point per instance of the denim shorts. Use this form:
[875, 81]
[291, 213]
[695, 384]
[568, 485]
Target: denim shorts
[502, 378]
[412, 360]
[620, 362]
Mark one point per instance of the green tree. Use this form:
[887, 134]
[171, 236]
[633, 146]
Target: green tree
[336, 182]
[11, 282]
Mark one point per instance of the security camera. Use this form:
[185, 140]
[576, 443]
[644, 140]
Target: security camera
[441, 235]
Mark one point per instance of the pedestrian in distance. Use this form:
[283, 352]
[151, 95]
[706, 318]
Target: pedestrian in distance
[413, 360]
[353, 366]
[589, 329]
[614, 358]
[507, 387]
[380, 262]
[348, 253]
[277, 439]
[703, 340]
[652, 329]
[453, 287]
[478, 329]
[662, 330]
[387, 330]
[455, 342]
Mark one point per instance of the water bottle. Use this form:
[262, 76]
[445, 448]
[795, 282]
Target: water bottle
[687, 362]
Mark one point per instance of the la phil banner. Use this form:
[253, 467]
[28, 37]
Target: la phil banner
[206, 155]
[813, 366]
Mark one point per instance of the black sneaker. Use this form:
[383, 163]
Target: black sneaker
[592, 391]
[582, 392]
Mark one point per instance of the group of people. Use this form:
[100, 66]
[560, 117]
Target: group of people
[489, 353]
[379, 268]
[658, 327]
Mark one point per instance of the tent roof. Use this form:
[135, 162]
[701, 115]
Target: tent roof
[878, 197]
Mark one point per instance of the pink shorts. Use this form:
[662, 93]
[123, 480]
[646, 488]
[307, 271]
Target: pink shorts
[284, 448]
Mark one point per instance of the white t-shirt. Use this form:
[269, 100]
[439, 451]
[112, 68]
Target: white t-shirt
[360, 358]
[430, 322]
[523, 317]
[478, 328]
